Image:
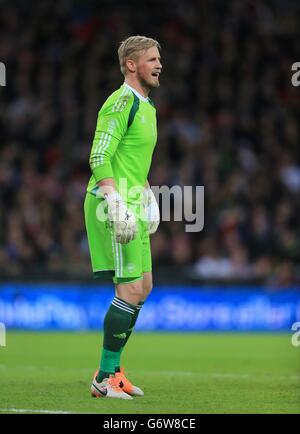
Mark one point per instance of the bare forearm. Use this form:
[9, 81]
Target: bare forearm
[107, 185]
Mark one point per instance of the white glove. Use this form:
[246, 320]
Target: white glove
[151, 210]
[122, 219]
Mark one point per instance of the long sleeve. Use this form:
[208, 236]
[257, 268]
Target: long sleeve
[111, 126]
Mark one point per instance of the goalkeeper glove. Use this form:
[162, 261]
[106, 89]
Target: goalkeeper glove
[151, 210]
[121, 218]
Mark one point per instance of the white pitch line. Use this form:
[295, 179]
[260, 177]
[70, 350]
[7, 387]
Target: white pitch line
[215, 375]
[26, 410]
[220, 375]
[47, 368]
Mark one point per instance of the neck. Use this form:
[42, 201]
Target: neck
[133, 82]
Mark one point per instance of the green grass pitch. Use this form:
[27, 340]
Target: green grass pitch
[180, 373]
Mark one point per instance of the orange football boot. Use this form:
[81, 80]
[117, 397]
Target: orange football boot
[126, 385]
[108, 388]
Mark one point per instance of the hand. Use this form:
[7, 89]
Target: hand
[122, 219]
[151, 210]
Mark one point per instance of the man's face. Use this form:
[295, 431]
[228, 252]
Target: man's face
[148, 67]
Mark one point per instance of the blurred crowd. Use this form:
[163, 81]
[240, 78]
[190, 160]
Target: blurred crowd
[228, 120]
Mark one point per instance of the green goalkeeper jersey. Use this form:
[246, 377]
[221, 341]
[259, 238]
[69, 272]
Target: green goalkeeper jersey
[124, 141]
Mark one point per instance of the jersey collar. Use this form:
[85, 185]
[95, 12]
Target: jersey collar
[137, 93]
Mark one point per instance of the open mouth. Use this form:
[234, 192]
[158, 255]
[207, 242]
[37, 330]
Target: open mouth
[155, 74]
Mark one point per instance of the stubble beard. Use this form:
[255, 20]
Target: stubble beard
[147, 84]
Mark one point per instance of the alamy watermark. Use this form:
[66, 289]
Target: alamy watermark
[177, 203]
[2, 74]
[296, 76]
[296, 336]
[2, 335]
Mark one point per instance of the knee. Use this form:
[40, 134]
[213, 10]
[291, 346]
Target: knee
[132, 292]
[147, 287]
[136, 290]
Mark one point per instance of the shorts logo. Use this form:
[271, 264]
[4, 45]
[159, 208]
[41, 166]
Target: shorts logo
[130, 268]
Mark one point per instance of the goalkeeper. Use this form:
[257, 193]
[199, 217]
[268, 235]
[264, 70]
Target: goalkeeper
[118, 218]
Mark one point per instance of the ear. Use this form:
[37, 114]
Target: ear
[130, 65]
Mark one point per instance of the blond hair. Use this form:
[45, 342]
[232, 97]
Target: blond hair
[131, 47]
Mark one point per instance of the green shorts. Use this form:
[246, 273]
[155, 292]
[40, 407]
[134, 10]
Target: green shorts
[124, 262]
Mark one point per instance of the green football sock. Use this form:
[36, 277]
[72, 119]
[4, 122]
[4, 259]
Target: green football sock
[116, 324]
[109, 359]
[132, 324]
